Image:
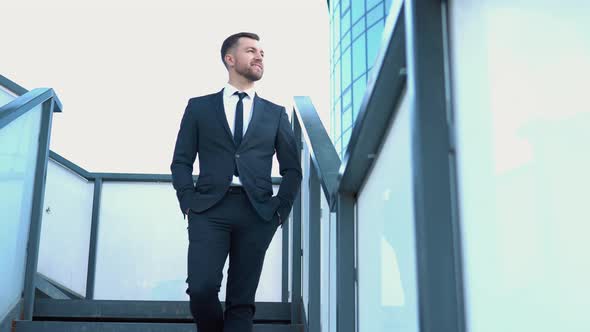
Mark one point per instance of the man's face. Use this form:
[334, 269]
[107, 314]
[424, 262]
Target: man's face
[248, 59]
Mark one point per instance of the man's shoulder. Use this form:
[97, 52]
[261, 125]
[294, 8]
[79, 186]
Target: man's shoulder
[204, 98]
[271, 105]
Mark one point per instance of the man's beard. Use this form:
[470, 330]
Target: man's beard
[249, 73]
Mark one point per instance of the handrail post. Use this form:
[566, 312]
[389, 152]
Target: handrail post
[37, 209]
[314, 251]
[345, 269]
[91, 272]
[296, 241]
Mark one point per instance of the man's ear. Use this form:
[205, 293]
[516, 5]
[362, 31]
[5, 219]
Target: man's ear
[229, 60]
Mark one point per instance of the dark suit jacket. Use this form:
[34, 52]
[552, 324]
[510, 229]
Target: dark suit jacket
[204, 132]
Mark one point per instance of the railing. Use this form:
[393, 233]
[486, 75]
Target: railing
[25, 126]
[380, 243]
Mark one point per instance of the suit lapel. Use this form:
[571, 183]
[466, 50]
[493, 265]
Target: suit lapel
[220, 113]
[257, 109]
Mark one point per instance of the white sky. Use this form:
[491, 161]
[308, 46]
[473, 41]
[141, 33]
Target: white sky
[124, 69]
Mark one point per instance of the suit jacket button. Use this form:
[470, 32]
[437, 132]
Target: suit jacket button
[237, 156]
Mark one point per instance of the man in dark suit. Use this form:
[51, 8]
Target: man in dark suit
[231, 209]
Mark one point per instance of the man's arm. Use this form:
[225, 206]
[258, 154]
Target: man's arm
[185, 152]
[290, 167]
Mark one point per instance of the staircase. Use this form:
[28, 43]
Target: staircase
[53, 315]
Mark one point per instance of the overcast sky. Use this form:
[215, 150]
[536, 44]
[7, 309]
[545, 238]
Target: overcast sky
[124, 70]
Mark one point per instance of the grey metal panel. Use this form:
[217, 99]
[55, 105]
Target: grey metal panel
[49, 289]
[345, 253]
[22, 326]
[142, 310]
[12, 86]
[383, 93]
[296, 251]
[23, 104]
[12, 315]
[314, 254]
[322, 151]
[437, 239]
[91, 274]
[37, 209]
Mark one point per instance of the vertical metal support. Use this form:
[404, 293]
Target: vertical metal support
[345, 279]
[91, 274]
[285, 265]
[296, 293]
[37, 209]
[440, 294]
[314, 252]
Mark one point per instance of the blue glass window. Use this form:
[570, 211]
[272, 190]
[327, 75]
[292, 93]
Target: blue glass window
[346, 69]
[347, 118]
[358, 9]
[337, 119]
[359, 58]
[347, 98]
[358, 92]
[372, 3]
[337, 80]
[345, 4]
[374, 42]
[346, 40]
[358, 28]
[345, 23]
[374, 15]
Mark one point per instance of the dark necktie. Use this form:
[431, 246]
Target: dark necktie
[239, 123]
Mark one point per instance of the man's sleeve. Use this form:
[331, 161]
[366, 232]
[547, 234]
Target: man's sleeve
[185, 152]
[289, 165]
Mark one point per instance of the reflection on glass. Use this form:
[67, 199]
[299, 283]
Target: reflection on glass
[18, 157]
[520, 73]
[5, 96]
[387, 286]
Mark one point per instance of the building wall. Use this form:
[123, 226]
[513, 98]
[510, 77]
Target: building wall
[356, 28]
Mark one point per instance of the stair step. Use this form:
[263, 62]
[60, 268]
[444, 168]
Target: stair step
[168, 311]
[45, 326]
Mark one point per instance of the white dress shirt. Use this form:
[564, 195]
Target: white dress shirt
[230, 101]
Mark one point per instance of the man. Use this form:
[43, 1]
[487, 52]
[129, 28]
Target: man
[231, 209]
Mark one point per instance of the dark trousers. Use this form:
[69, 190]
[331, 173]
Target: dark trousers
[231, 227]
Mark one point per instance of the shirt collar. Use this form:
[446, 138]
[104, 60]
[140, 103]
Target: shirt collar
[229, 90]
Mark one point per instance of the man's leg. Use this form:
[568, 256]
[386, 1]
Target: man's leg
[250, 238]
[209, 242]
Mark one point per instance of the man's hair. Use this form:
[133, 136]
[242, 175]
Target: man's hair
[231, 41]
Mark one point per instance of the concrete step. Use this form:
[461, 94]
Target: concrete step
[57, 326]
[142, 311]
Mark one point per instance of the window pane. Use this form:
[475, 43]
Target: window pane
[387, 285]
[346, 70]
[358, 93]
[358, 28]
[374, 15]
[374, 42]
[347, 98]
[358, 9]
[345, 23]
[359, 58]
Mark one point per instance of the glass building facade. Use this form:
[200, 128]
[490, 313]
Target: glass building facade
[356, 27]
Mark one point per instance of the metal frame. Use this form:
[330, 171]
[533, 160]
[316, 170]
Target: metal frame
[12, 86]
[25, 103]
[314, 251]
[91, 274]
[297, 252]
[37, 208]
[437, 238]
